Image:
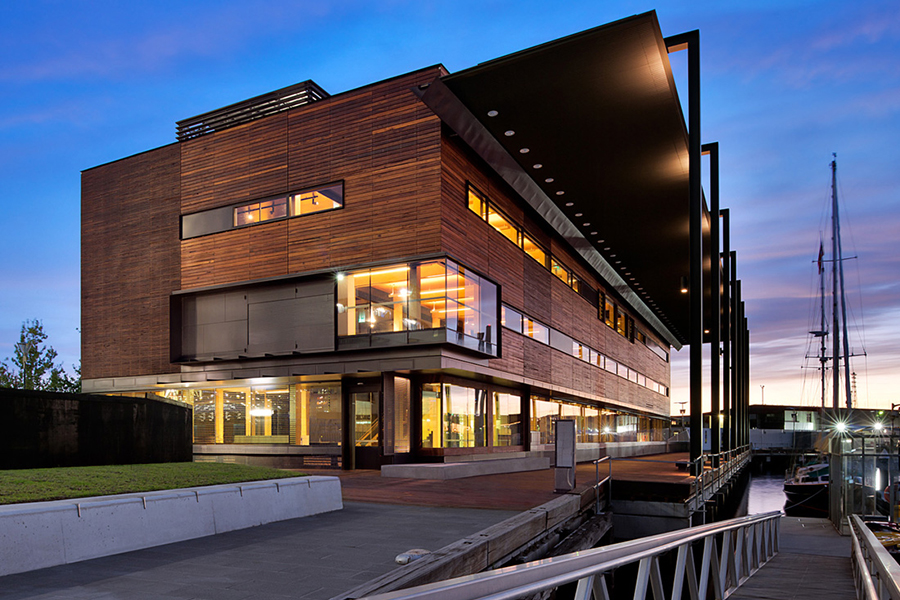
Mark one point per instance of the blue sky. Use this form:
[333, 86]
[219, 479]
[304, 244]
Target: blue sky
[784, 84]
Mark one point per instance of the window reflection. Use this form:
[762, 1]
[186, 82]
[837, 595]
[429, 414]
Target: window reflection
[293, 205]
[436, 294]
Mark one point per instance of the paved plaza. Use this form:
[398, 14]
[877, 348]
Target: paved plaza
[315, 557]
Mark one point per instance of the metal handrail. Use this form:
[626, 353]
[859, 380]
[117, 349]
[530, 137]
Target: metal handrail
[607, 480]
[876, 573]
[706, 483]
[747, 543]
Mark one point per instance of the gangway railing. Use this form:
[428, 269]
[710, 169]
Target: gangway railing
[875, 572]
[732, 551]
[714, 471]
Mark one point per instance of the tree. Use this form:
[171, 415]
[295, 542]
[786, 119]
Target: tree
[33, 365]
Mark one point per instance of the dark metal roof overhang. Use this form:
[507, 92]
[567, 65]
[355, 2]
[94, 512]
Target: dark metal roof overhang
[606, 163]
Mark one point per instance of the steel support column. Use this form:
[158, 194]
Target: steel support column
[727, 402]
[691, 41]
[712, 149]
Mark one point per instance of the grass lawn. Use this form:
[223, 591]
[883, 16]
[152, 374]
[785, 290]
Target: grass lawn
[37, 485]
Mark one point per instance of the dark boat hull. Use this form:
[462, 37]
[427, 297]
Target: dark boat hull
[806, 496]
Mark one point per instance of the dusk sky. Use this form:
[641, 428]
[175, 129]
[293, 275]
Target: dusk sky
[785, 84]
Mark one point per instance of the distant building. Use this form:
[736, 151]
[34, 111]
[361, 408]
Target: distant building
[431, 267]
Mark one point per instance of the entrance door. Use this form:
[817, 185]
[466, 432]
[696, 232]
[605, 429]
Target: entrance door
[366, 423]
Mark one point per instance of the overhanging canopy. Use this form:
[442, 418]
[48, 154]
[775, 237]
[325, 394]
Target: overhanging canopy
[589, 130]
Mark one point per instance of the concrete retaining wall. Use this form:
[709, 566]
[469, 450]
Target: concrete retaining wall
[46, 534]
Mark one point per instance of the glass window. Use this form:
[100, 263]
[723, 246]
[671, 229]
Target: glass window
[429, 295]
[477, 203]
[234, 416]
[507, 420]
[609, 312]
[543, 413]
[574, 282]
[318, 414]
[501, 224]
[465, 416]
[560, 271]
[205, 406]
[511, 319]
[533, 250]
[402, 395]
[591, 425]
[536, 330]
[620, 322]
[317, 200]
[431, 416]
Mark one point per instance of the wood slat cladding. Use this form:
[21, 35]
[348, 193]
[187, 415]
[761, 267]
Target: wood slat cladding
[379, 140]
[130, 261]
[529, 287]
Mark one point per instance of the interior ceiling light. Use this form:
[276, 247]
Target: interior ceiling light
[570, 204]
[538, 165]
[560, 193]
[493, 113]
[593, 233]
[586, 225]
[548, 180]
[509, 133]
[579, 214]
[524, 151]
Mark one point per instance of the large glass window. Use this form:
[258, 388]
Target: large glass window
[438, 294]
[306, 414]
[462, 414]
[543, 414]
[507, 420]
[293, 204]
[318, 414]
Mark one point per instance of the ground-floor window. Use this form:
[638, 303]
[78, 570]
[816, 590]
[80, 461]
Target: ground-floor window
[459, 416]
[592, 424]
[305, 414]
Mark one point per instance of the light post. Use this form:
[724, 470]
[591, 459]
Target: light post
[762, 391]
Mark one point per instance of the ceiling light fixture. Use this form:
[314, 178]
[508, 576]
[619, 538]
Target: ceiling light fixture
[560, 193]
[509, 133]
[548, 180]
[570, 204]
[538, 165]
[493, 113]
[524, 151]
[586, 225]
[579, 214]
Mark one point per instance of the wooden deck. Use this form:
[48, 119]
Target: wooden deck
[813, 562]
[645, 476]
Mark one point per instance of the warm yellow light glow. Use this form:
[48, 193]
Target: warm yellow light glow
[384, 272]
[441, 291]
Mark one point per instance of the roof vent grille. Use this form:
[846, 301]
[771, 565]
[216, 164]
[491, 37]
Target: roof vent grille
[250, 110]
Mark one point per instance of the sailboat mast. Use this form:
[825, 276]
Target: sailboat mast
[840, 262]
[838, 286]
[823, 359]
[836, 347]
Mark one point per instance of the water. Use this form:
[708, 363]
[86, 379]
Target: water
[766, 493]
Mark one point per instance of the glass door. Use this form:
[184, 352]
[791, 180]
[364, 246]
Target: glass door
[366, 423]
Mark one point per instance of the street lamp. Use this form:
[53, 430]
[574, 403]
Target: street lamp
[762, 391]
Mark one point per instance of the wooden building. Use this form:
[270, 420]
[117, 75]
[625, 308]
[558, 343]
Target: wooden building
[427, 267]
